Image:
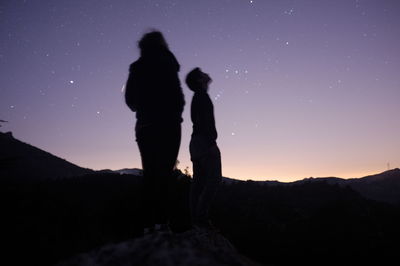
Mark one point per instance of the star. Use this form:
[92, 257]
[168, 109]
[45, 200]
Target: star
[289, 12]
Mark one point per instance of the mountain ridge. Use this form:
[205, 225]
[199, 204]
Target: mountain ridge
[384, 186]
[18, 160]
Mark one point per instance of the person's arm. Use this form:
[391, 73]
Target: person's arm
[205, 116]
[131, 90]
[210, 119]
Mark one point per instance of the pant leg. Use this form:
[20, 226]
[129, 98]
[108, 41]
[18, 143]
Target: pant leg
[196, 188]
[159, 147]
[210, 176]
[167, 153]
[147, 148]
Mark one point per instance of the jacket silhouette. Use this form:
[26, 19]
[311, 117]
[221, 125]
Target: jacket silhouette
[153, 88]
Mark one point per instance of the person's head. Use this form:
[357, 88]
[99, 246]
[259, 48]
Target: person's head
[197, 80]
[152, 41]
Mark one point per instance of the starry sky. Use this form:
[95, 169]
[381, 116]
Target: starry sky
[300, 87]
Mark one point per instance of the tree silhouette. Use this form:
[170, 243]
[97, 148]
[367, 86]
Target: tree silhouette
[3, 121]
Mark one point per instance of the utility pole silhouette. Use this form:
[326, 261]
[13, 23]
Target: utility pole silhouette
[388, 165]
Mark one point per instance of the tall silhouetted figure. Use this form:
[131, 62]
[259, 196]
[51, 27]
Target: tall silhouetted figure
[204, 151]
[154, 92]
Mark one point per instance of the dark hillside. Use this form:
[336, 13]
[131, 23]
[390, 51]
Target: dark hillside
[51, 220]
[319, 221]
[19, 160]
[312, 223]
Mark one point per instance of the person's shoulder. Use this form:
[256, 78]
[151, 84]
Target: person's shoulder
[133, 66]
[136, 65]
[171, 60]
[197, 97]
[202, 96]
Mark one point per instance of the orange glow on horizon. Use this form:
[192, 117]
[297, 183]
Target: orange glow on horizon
[262, 174]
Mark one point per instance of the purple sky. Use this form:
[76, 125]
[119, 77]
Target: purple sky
[301, 88]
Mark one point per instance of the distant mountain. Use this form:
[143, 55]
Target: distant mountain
[124, 171]
[383, 187]
[130, 171]
[380, 187]
[21, 161]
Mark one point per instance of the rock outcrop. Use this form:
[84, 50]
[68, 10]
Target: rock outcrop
[194, 247]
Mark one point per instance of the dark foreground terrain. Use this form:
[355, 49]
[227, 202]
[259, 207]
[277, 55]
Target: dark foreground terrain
[52, 210]
[48, 221]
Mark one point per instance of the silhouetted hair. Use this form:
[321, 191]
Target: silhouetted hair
[192, 79]
[152, 41]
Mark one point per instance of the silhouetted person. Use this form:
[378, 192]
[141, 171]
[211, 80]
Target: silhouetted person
[154, 92]
[204, 151]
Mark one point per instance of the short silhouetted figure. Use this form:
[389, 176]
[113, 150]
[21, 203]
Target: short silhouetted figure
[154, 92]
[204, 151]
